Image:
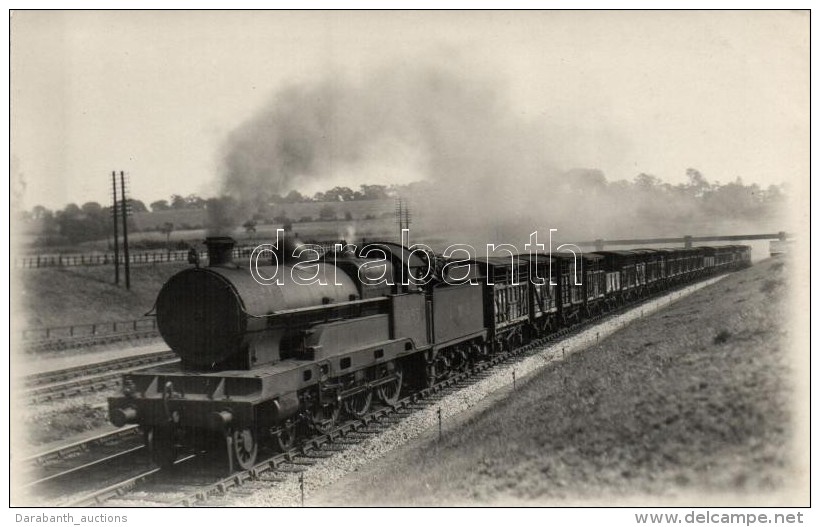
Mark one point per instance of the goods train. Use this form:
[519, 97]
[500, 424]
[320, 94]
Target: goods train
[264, 364]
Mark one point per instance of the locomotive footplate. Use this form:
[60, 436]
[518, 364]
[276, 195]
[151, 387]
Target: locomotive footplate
[165, 394]
[193, 412]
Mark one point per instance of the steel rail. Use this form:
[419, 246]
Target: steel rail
[55, 376]
[112, 378]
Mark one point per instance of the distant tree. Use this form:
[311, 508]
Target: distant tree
[71, 211]
[373, 192]
[339, 194]
[91, 208]
[177, 202]
[736, 200]
[38, 212]
[293, 197]
[138, 206]
[319, 196]
[160, 205]
[646, 181]
[192, 201]
[77, 225]
[697, 183]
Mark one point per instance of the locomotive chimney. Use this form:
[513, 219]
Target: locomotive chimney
[220, 250]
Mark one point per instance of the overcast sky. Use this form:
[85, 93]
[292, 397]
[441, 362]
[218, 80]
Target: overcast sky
[156, 94]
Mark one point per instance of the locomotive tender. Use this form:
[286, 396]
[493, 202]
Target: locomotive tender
[266, 363]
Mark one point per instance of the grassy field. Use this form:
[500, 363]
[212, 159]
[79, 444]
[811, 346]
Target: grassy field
[692, 400]
[84, 295]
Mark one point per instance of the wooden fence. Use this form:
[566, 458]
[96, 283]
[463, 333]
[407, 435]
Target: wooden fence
[144, 257]
[90, 330]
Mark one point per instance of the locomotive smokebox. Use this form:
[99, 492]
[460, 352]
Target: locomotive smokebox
[220, 250]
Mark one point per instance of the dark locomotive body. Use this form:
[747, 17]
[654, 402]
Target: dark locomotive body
[263, 363]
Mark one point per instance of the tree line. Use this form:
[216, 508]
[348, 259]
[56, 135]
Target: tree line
[646, 196]
[365, 192]
[93, 221]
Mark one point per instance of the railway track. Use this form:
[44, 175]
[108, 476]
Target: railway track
[49, 472]
[201, 483]
[71, 343]
[79, 380]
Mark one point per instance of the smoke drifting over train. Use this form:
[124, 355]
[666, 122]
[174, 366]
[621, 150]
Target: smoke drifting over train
[493, 172]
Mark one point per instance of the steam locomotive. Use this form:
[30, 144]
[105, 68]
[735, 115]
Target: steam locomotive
[264, 364]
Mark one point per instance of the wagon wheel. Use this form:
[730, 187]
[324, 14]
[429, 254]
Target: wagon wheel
[515, 342]
[476, 354]
[461, 360]
[437, 370]
[245, 447]
[323, 417]
[162, 446]
[285, 436]
[542, 326]
[389, 393]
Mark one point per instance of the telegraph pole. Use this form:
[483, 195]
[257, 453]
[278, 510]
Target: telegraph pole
[124, 204]
[402, 216]
[399, 218]
[114, 212]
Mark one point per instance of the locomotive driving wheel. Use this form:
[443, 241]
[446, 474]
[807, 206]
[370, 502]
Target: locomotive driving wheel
[357, 405]
[245, 447]
[285, 436]
[323, 417]
[459, 359]
[438, 369]
[389, 393]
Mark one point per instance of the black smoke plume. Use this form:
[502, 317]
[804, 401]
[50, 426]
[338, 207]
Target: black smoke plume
[491, 172]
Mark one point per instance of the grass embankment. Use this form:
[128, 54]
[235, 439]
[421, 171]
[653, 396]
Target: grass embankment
[692, 399]
[83, 295]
